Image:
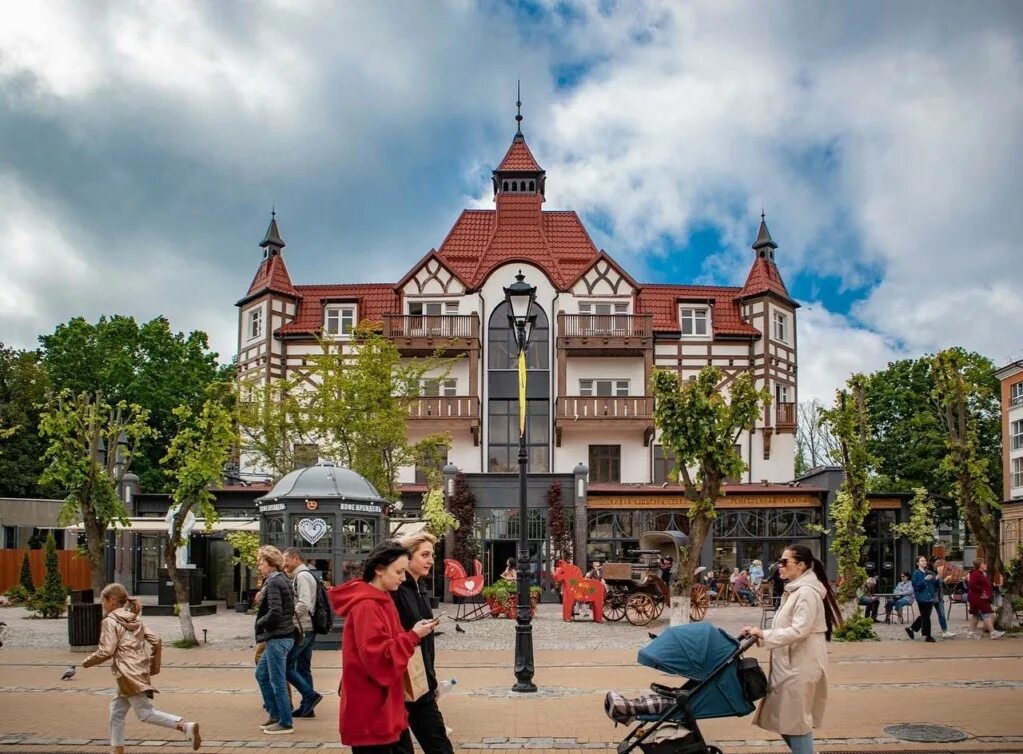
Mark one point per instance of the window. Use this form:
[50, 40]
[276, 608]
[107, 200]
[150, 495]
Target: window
[1016, 434]
[781, 394]
[432, 308]
[605, 463]
[339, 321]
[603, 387]
[603, 307]
[695, 322]
[664, 465]
[305, 454]
[1016, 394]
[604, 317]
[503, 437]
[255, 323]
[435, 387]
[503, 351]
[781, 327]
[1017, 472]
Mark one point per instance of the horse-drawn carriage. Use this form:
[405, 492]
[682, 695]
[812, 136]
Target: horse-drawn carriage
[636, 592]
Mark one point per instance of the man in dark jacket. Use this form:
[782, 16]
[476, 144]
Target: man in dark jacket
[424, 717]
[275, 625]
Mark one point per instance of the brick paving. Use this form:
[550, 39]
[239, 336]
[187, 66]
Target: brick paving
[970, 685]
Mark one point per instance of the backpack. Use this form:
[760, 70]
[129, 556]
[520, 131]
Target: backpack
[752, 679]
[321, 615]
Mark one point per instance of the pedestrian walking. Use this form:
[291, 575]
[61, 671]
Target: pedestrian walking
[375, 652]
[275, 626]
[134, 652]
[938, 567]
[979, 601]
[923, 590]
[424, 717]
[300, 658]
[799, 657]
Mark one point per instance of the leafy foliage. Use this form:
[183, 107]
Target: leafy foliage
[429, 456]
[272, 422]
[963, 394]
[815, 445]
[920, 528]
[438, 520]
[146, 364]
[23, 387]
[84, 460]
[18, 595]
[850, 424]
[247, 545]
[855, 628]
[700, 426]
[50, 600]
[462, 504]
[25, 576]
[561, 535]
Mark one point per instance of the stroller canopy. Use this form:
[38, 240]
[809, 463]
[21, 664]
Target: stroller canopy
[693, 651]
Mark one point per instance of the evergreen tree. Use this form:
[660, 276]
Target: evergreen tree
[26, 574]
[49, 600]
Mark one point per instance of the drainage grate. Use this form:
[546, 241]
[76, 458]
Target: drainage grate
[924, 733]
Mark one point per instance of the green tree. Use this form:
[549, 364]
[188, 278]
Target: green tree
[701, 427]
[22, 392]
[849, 422]
[79, 431]
[439, 520]
[25, 578]
[50, 599]
[272, 422]
[195, 461]
[920, 528]
[557, 527]
[146, 364]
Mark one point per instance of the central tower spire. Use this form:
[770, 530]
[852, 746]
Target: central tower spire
[518, 112]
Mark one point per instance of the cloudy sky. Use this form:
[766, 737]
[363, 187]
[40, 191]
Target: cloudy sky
[143, 144]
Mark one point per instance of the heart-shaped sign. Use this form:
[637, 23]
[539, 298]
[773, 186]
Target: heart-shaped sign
[470, 585]
[312, 529]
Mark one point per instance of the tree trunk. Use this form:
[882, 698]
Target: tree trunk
[181, 595]
[681, 590]
[95, 545]
[1005, 616]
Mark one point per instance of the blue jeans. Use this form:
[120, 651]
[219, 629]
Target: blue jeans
[300, 670]
[939, 608]
[271, 675]
[800, 744]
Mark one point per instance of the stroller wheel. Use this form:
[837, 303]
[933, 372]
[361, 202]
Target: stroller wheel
[714, 750]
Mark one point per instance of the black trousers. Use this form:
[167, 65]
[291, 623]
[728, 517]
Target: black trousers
[427, 725]
[402, 746]
[923, 620]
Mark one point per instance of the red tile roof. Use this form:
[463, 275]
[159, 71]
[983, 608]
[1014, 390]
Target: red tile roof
[272, 276]
[764, 278]
[373, 299]
[662, 302]
[519, 158]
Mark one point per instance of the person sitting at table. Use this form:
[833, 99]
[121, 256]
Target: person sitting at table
[903, 597]
[743, 589]
[865, 596]
[707, 579]
[510, 572]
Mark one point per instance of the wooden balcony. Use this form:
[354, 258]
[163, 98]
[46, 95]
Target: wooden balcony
[605, 334]
[785, 417]
[455, 414]
[611, 412]
[422, 335]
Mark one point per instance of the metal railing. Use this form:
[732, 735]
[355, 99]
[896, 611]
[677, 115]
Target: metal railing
[615, 325]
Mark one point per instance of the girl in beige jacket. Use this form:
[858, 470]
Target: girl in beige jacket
[794, 706]
[135, 654]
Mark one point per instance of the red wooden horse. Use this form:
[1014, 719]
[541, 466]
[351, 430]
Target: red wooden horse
[575, 588]
[467, 587]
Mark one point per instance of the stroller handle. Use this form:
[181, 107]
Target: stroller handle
[747, 642]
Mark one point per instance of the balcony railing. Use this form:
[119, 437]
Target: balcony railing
[785, 415]
[605, 407]
[431, 326]
[615, 325]
[458, 407]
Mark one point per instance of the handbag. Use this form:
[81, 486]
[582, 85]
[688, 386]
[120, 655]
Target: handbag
[752, 679]
[416, 683]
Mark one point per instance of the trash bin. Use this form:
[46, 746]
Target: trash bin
[82, 596]
[83, 623]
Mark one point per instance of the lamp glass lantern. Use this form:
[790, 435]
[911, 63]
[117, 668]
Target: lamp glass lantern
[520, 296]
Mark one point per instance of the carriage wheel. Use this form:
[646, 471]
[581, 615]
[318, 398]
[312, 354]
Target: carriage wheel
[640, 609]
[699, 603]
[614, 607]
[658, 607]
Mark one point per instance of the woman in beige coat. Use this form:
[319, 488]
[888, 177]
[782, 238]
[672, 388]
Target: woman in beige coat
[794, 706]
[135, 654]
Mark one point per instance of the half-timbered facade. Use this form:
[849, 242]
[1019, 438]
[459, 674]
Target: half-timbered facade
[599, 334]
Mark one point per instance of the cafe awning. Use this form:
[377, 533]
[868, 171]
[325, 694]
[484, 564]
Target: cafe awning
[150, 525]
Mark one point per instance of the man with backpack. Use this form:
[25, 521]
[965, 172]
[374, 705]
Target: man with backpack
[300, 671]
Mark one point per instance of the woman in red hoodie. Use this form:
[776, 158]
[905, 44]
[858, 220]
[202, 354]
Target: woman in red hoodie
[374, 653]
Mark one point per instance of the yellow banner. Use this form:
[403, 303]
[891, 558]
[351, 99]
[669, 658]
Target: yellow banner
[522, 393]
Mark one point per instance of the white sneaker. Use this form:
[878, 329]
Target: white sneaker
[192, 734]
[997, 634]
[972, 635]
[948, 634]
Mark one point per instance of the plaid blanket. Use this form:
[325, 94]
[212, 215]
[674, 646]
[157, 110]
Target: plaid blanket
[624, 710]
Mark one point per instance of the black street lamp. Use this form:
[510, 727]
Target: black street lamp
[520, 297]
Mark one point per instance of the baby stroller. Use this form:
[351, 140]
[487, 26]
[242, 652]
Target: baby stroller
[720, 683]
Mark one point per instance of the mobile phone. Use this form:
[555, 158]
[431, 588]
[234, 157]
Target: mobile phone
[438, 616]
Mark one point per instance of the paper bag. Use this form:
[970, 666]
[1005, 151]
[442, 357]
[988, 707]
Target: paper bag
[416, 684]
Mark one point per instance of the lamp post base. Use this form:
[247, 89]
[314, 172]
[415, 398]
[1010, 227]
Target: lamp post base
[524, 659]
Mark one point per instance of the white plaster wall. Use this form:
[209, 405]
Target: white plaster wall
[465, 456]
[575, 449]
[616, 368]
[459, 371]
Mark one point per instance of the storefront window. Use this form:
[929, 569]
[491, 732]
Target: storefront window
[152, 556]
[359, 535]
[273, 529]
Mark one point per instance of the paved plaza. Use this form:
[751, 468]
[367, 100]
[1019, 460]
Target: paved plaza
[974, 686]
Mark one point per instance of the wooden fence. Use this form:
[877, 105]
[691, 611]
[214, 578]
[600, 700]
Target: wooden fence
[74, 568]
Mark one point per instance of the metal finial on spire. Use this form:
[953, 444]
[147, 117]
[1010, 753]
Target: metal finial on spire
[273, 210]
[761, 214]
[518, 108]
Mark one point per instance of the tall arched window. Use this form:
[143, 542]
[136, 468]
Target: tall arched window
[503, 394]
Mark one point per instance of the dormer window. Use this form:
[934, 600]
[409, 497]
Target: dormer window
[339, 320]
[781, 327]
[255, 323]
[695, 321]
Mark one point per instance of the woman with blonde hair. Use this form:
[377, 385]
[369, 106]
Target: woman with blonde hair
[275, 626]
[413, 603]
[134, 652]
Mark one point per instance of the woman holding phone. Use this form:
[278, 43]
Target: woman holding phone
[424, 717]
